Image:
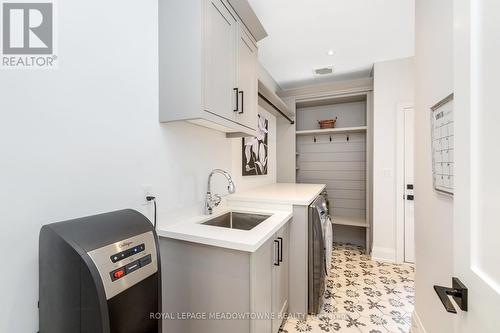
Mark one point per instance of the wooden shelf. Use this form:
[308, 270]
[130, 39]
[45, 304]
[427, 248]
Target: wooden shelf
[333, 130]
[352, 221]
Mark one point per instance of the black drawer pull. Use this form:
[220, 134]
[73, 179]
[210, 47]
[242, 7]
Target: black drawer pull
[280, 255]
[276, 263]
[236, 90]
[242, 102]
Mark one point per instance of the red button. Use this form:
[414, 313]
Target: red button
[119, 274]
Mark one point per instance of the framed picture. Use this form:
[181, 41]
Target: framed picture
[443, 144]
[255, 150]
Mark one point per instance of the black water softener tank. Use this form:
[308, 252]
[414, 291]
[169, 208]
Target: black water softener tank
[100, 274]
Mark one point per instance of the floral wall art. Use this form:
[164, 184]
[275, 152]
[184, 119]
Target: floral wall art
[255, 150]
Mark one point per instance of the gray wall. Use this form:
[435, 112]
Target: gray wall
[349, 115]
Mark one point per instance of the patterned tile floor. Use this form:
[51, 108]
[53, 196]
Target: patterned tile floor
[361, 295]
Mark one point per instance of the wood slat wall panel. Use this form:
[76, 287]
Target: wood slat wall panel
[333, 157]
[336, 138]
[349, 212]
[346, 194]
[341, 165]
[331, 147]
[348, 203]
[332, 175]
[332, 166]
[337, 184]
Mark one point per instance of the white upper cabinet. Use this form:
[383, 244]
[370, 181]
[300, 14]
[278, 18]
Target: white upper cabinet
[220, 59]
[247, 83]
[208, 64]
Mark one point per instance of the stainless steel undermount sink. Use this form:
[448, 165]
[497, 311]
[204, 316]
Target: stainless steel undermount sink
[235, 220]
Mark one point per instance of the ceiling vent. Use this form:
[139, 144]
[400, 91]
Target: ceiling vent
[323, 71]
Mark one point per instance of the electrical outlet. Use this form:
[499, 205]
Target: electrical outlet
[147, 190]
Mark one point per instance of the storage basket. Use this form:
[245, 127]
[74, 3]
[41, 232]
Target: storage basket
[328, 123]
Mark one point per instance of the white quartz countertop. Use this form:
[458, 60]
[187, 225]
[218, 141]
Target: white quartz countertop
[283, 193]
[192, 230]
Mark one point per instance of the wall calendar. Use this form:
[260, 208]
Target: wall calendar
[443, 145]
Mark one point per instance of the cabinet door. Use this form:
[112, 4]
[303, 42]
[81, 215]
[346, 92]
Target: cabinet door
[280, 277]
[220, 60]
[285, 235]
[246, 113]
[276, 286]
[261, 285]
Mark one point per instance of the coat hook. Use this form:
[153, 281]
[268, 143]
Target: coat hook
[315, 138]
[330, 138]
[348, 138]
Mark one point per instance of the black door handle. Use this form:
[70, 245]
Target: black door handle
[242, 101]
[236, 90]
[277, 263]
[458, 292]
[280, 253]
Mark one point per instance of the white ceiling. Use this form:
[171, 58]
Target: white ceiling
[360, 33]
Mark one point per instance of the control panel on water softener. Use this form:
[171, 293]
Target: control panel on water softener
[133, 266]
[125, 263]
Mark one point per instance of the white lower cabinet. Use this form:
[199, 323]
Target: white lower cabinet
[269, 282]
[280, 278]
[211, 280]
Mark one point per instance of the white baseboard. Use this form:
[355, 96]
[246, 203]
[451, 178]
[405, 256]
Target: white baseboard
[384, 254]
[416, 324]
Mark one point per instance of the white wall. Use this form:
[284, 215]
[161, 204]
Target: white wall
[85, 139]
[433, 212]
[393, 85]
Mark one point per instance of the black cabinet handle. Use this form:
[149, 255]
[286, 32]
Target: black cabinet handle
[410, 197]
[459, 293]
[276, 263]
[280, 253]
[236, 90]
[242, 101]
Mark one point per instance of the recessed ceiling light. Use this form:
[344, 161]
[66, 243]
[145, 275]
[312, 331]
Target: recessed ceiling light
[330, 52]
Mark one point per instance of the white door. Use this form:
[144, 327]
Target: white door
[477, 157]
[405, 205]
[246, 113]
[220, 58]
[409, 204]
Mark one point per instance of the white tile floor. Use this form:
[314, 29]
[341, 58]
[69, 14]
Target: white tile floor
[362, 295]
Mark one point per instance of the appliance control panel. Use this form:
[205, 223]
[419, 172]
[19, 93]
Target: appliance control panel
[129, 268]
[127, 253]
[125, 263]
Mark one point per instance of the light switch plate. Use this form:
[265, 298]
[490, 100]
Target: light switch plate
[387, 173]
